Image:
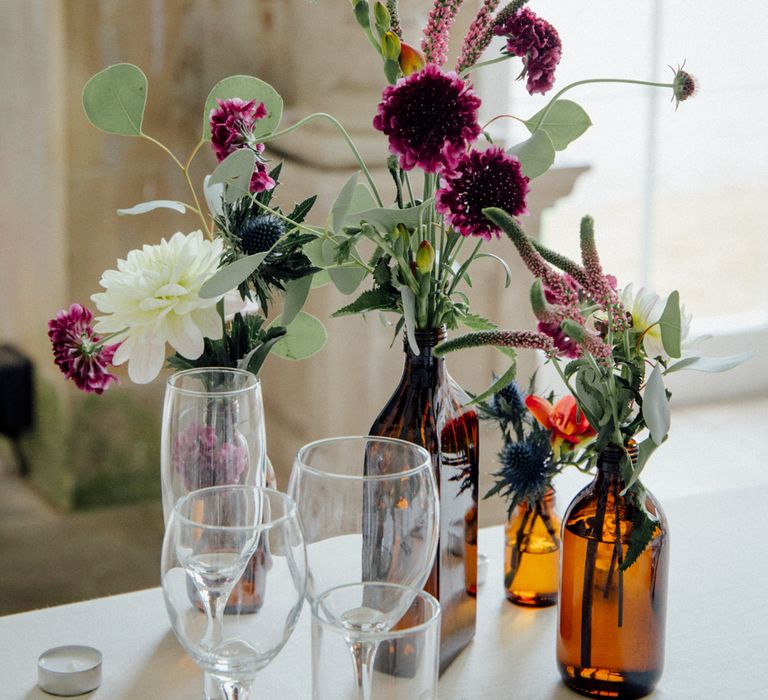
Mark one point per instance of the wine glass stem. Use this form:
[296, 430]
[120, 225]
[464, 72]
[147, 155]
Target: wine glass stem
[224, 688]
[213, 603]
[363, 653]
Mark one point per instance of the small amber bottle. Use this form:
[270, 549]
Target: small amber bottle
[532, 553]
[610, 640]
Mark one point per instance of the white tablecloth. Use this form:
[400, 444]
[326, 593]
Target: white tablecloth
[717, 628]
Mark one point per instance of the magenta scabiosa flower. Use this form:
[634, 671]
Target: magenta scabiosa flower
[429, 118]
[77, 350]
[537, 42]
[479, 180]
[204, 459]
[232, 127]
[566, 347]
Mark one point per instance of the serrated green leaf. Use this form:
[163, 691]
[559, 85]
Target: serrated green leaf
[235, 173]
[145, 207]
[304, 337]
[229, 277]
[643, 530]
[246, 88]
[565, 122]
[342, 203]
[670, 325]
[536, 154]
[710, 364]
[498, 385]
[114, 99]
[476, 322]
[296, 293]
[370, 300]
[656, 413]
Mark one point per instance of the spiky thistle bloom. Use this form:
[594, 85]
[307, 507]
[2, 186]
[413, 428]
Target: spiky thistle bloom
[78, 351]
[259, 233]
[481, 179]
[232, 128]
[683, 86]
[478, 36]
[429, 118]
[537, 42]
[434, 43]
[526, 469]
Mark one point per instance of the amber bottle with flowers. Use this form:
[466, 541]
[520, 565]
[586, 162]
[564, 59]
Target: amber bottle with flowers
[539, 440]
[615, 537]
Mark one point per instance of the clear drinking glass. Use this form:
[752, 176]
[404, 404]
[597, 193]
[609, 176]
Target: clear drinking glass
[334, 635]
[212, 433]
[369, 511]
[210, 539]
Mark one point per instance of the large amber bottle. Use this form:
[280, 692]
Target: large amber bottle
[532, 553]
[428, 408]
[610, 640]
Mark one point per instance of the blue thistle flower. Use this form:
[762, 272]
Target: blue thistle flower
[526, 468]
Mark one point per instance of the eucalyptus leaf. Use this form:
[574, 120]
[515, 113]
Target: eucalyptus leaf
[347, 278]
[246, 88]
[342, 203]
[235, 173]
[229, 277]
[670, 324]
[656, 413]
[565, 122]
[296, 293]
[362, 199]
[710, 364]
[536, 154]
[114, 99]
[213, 196]
[320, 279]
[314, 251]
[385, 219]
[304, 337]
[145, 207]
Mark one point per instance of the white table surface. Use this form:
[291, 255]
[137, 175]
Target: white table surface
[717, 628]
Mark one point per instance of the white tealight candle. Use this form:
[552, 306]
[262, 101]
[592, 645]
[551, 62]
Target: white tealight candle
[69, 670]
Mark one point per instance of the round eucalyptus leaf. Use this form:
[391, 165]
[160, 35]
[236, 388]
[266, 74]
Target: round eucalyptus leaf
[114, 99]
[305, 336]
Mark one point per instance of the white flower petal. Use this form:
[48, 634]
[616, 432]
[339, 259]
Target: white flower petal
[184, 336]
[146, 361]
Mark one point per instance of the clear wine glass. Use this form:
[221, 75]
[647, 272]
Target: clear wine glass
[212, 432]
[210, 539]
[369, 511]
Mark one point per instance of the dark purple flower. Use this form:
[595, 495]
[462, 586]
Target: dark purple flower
[537, 42]
[429, 117]
[565, 346]
[203, 459]
[77, 352]
[232, 127]
[481, 179]
[683, 86]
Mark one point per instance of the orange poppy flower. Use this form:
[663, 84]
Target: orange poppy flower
[568, 425]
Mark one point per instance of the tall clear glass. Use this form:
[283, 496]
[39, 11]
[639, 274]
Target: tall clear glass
[213, 432]
[211, 536]
[370, 512]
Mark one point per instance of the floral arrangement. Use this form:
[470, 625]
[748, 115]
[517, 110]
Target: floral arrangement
[165, 293]
[539, 440]
[611, 347]
[429, 115]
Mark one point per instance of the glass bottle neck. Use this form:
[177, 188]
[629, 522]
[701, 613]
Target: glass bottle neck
[609, 459]
[425, 341]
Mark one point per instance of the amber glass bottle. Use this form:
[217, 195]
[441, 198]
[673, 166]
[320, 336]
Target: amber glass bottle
[532, 553]
[610, 640]
[427, 408]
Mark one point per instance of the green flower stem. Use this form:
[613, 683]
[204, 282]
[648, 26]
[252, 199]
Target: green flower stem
[344, 133]
[501, 116]
[462, 270]
[551, 103]
[309, 229]
[482, 64]
[184, 169]
[556, 365]
[103, 341]
[410, 189]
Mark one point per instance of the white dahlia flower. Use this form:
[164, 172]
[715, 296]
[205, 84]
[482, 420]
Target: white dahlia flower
[152, 299]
